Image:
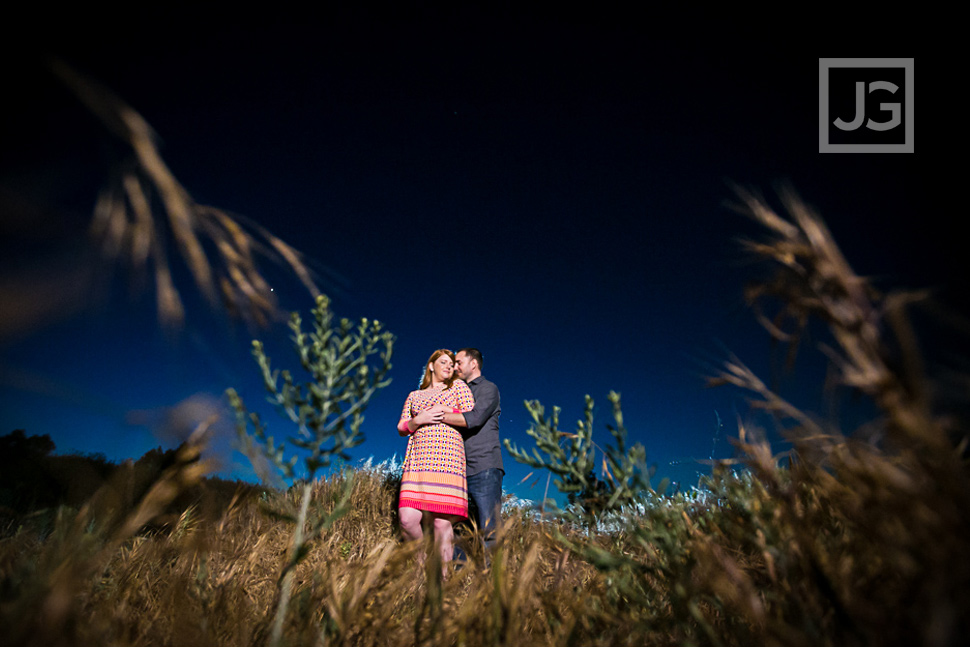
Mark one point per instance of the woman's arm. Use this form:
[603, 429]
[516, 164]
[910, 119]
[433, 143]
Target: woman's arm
[410, 425]
[403, 425]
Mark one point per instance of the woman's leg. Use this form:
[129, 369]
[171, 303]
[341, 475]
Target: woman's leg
[410, 519]
[444, 537]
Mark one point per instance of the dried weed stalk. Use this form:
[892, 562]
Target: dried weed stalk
[46, 610]
[144, 203]
[867, 539]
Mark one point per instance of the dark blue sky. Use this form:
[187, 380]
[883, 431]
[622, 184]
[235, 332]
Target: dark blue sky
[550, 192]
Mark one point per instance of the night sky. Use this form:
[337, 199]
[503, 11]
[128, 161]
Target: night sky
[552, 192]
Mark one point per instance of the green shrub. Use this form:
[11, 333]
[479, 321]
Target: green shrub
[327, 411]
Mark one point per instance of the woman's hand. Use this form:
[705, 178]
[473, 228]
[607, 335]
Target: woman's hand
[429, 417]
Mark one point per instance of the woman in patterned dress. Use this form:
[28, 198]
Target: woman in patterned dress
[433, 483]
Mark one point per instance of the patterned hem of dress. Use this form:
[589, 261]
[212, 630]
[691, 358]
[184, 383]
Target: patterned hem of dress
[437, 508]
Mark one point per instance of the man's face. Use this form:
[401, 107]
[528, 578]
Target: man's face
[463, 365]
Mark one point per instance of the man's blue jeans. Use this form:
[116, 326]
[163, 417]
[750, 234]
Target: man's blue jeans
[485, 502]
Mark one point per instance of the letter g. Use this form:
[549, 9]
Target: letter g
[893, 108]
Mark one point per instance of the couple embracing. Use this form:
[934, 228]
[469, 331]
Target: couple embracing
[453, 452]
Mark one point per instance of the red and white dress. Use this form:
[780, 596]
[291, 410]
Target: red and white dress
[434, 464]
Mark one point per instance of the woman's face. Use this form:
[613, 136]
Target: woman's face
[442, 368]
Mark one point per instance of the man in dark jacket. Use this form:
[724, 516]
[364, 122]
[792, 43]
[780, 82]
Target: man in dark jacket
[483, 452]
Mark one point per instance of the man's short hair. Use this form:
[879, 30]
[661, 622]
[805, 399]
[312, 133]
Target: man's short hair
[475, 354]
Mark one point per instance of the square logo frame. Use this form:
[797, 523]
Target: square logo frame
[825, 119]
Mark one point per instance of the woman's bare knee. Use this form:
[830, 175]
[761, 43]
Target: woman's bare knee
[410, 519]
[442, 525]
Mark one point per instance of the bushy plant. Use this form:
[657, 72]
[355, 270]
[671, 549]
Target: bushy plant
[623, 474]
[327, 410]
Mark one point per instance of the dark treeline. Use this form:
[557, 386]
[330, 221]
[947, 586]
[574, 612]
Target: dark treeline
[33, 478]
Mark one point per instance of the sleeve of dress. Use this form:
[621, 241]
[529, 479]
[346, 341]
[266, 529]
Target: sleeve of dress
[402, 424]
[465, 401]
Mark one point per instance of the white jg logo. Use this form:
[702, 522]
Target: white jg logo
[860, 109]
